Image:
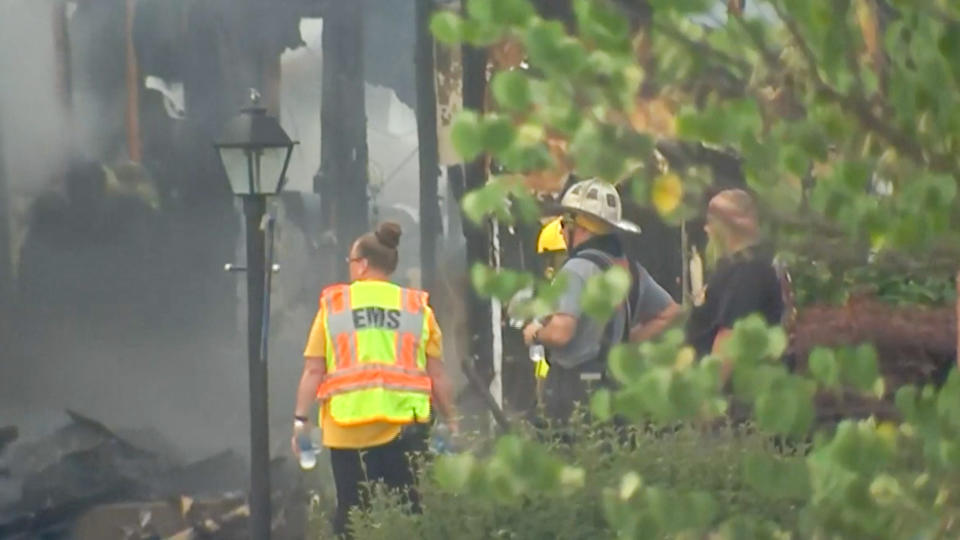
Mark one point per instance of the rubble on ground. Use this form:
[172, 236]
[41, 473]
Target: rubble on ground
[84, 481]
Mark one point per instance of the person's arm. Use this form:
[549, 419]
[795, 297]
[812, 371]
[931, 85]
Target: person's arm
[442, 392]
[654, 327]
[560, 327]
[314, 369]
[655, 309]
[558, 331]
[726, 361]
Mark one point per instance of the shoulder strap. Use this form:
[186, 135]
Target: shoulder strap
[604, 262]
[598, 258]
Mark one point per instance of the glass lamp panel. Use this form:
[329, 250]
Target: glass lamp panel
[271, 163]
[237, 165]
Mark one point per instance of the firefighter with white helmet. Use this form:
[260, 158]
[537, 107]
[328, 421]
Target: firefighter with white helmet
[577, 345]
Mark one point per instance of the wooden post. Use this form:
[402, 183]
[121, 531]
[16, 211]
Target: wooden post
[343, 120]
[431, 224]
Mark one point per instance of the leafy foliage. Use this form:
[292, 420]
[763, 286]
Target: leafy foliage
[844, 116]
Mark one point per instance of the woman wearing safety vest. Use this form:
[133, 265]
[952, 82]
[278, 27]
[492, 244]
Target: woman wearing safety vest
[374, 361]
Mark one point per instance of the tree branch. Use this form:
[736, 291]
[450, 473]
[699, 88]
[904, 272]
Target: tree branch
[701, 46]
[859, 106]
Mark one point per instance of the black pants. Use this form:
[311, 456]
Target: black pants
[388, 463]
[565, 387]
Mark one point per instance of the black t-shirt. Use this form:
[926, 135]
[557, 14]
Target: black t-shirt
[742, 284]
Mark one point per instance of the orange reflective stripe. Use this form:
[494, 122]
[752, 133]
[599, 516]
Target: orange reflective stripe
[407, 354]
[376, 366]
[413, 301]
[345, 353]
[338, 300]
[344, 382]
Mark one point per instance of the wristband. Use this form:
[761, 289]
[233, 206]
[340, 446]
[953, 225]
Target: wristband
[303, 419]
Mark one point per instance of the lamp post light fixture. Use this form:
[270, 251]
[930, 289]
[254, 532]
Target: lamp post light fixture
[255, 152]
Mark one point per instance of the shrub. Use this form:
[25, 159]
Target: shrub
[689, 460]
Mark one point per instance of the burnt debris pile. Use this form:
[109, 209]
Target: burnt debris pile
[85, 481]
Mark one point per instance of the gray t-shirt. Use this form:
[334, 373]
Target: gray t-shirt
[587, 340]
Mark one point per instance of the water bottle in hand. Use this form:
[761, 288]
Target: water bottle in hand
[537, 353]
[440, 442]
[308, 449]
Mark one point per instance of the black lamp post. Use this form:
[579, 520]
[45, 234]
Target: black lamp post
[256, 152]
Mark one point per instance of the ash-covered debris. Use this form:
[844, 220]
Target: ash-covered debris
[85, 481]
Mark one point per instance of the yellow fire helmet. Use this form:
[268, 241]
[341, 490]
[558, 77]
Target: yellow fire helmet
[551, 237]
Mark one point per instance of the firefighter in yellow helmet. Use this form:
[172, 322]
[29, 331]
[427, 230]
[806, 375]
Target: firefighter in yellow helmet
[552, 250]
[551, 247]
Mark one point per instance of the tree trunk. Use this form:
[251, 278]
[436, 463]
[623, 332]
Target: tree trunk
[343, 120]
[431, 224]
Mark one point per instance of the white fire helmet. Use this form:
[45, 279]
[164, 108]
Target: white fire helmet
[600, 200]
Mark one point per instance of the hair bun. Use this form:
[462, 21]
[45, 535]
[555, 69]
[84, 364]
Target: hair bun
[388, 234]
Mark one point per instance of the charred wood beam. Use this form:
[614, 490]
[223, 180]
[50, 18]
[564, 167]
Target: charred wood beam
[431, 224]
[6, 254]
[343, 120]
[8, 434]
[132, 83]
[477, 237]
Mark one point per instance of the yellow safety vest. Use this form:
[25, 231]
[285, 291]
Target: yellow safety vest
[376, 354]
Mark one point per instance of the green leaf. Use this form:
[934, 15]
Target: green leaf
[601, 405]
[681, 6]
[776, 477]
[502, 12]
[447, 27]
[526, 158]
[823, 366]
[625, 364]
[511, 90]
[906, 401]
[502, 284]
[453, 472]
[604, 292]
[550, 49]
[481, 34]
[786, 407]
[498, 133]
[703, 509]
[467, 135]
[596, 152]
[603, 25]
[859, 368]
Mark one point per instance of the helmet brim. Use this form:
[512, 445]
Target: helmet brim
[623, 225]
